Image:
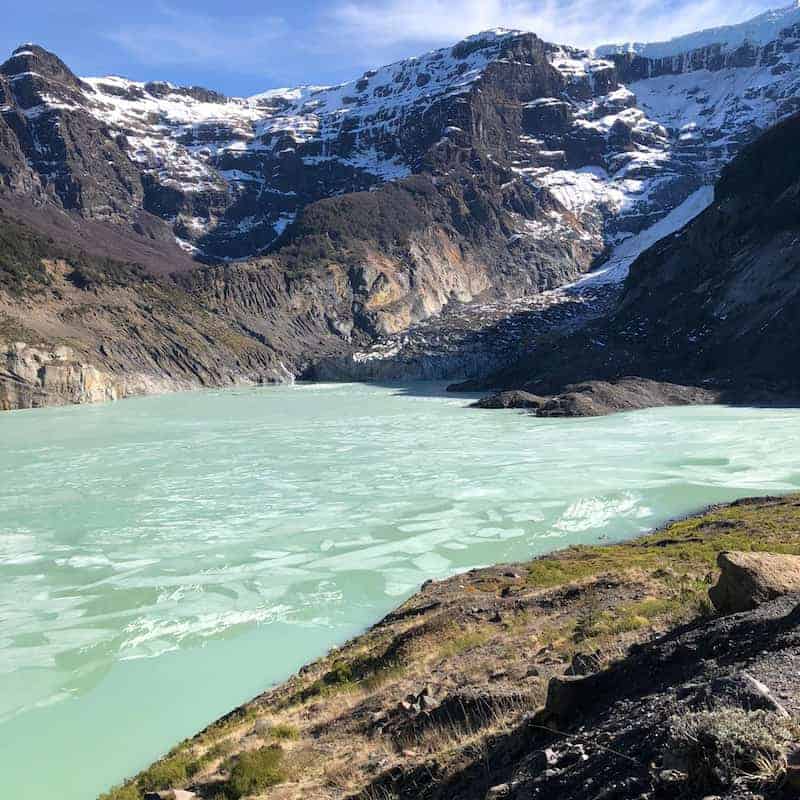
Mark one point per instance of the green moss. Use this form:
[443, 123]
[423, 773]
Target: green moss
[254, 771]
[463, 643]
[548, 572]
[686, 546]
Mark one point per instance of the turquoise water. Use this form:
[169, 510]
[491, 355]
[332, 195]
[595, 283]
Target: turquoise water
[164, 559]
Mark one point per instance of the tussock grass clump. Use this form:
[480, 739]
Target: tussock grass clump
[730, 746]
[219, 750]
[172, 771]
[365, 672]
[254, 771]
[463, 643]
[283, 731]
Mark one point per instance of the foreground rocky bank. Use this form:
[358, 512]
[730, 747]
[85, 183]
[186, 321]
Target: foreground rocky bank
[603, 672]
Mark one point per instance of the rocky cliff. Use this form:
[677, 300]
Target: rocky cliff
[713, 305]
[79, 328]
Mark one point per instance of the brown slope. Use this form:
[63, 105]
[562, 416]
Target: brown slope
[75, 327]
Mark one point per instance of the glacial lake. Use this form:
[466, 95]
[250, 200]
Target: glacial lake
[164, 559]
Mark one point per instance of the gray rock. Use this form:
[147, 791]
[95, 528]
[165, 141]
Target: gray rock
[569, 695]
[743, 691]
[585, 663]
[544, 759]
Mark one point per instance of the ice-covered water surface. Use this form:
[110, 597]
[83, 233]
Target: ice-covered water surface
[163, 559]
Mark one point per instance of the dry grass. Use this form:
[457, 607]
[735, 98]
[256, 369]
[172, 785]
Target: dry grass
[732, 746]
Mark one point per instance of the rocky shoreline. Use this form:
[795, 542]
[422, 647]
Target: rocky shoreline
[602, 669]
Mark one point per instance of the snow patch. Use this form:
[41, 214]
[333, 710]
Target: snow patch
[615, 269]
[759, 30]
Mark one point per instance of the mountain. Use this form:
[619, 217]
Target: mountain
[312, 222]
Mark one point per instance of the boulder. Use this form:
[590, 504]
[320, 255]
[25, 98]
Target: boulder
[749, 579]
[741, 690]
[569, 695]
[510, 399]
[586, 663]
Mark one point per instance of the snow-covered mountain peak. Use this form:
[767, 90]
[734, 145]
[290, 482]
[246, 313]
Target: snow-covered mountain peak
[202, 154]
[494, 34]
[759, 30]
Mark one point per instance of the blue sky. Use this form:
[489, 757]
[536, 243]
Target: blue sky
[242, 46]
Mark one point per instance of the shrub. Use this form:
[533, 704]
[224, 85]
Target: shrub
[126, 792]
[167, 773]
[255, 771]
[21, 254]
[720, 748]
[22, 251]
[340, 672]
[364, 672]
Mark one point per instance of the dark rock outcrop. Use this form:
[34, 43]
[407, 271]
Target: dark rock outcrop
[512, 399]
[620, 720]
[597, 398]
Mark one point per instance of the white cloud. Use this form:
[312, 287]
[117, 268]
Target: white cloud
[180, 37]
[578, 22]
[340, 40]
